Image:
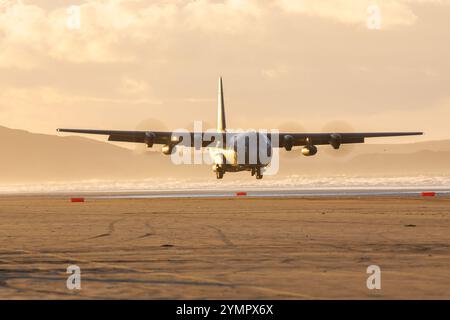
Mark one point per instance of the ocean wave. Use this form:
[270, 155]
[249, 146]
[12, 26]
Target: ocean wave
[286, 183]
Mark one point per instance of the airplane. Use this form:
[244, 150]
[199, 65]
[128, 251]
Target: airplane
[233, 151]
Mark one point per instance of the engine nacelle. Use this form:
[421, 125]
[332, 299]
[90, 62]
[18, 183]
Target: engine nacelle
[167, 149]
[335, 140]
[288, 142]
[308, 151]
[149, 139]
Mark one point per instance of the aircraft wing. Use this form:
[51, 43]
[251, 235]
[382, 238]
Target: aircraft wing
[335, 138]
[148, 137]
[285, 139]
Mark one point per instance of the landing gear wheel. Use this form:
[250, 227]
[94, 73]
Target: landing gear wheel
[219, 174]
[253, 171]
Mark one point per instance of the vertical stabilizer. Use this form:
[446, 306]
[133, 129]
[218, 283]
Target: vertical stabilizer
[221, 123]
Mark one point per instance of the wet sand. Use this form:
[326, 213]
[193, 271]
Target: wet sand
[237, 248]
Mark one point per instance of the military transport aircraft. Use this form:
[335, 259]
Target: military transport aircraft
[233, 151]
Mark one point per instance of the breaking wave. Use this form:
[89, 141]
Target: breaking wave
[294, 182]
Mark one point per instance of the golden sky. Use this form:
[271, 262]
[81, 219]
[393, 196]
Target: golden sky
[307, 61]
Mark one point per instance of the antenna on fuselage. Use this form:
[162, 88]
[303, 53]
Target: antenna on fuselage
[221, 122]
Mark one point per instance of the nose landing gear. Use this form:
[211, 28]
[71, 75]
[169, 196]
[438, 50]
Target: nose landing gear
[219, 166]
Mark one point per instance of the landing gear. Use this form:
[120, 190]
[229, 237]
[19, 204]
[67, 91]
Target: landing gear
[258, 173]
[219, 173]
[219, 166]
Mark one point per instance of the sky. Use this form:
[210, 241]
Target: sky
[304, 65]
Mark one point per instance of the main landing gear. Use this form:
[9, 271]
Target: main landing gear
[257, 172]
[219, 174]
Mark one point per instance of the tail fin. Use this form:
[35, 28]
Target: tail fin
[221, 122]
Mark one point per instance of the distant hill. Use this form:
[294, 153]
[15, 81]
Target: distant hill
[420, 162]
[29, 157]
[368, 159]
[416, 163]
[436, 146]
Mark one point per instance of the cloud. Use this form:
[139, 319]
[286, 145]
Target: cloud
[113, 31]
[275, 72]
[130, 86]
[284, 57]
[43, 105]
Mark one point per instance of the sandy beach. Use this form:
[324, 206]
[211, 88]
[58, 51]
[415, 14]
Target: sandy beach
[236, 248]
